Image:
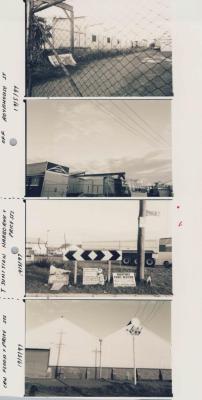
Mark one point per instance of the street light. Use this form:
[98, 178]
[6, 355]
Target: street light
[134, 328]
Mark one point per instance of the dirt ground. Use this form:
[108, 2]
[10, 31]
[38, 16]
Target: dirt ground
[139, 74]
[74, 388]
[37, 280]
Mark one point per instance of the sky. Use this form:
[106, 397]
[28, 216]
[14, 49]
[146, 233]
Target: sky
[131, 19]
[103, 317]
[94, 220]
[103, 136]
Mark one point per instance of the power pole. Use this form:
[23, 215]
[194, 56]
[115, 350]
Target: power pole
[59, 351]
[100, 366]
[141, 241]
[134, 363]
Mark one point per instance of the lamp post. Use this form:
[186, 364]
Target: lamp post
[135, 329]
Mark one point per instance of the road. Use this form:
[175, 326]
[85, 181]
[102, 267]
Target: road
[138, 74]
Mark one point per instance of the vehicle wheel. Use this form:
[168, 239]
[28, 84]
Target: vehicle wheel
[135, 262]
[150, 262]
[126, 260]
[167, 264]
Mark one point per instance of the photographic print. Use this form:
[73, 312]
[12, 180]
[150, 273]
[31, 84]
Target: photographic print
[98, 348]
[96, 247]
[99, 148]
[99, 48]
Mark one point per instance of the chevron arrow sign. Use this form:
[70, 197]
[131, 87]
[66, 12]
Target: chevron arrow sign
[94, 255]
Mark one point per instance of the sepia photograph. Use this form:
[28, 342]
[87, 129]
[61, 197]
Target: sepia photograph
[96, 247]
[98, 348]
[99, 148]
[98, 48]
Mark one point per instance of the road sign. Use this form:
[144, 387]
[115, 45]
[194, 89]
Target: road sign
[150, 213]
[93, 276]
[94, 255]
[126, 279]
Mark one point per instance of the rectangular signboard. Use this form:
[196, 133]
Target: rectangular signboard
[93, 276]
[124, 279]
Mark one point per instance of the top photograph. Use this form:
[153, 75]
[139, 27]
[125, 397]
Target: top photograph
[108, 48]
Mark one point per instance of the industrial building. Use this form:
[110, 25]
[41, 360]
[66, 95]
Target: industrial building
[46, 179]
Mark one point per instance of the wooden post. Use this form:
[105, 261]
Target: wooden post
[75, 271]
[141, 241]
[109, 271]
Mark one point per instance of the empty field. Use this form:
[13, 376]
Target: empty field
[37, 280]
[53, 387]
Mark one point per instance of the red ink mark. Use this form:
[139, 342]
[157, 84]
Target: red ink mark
[178, 206]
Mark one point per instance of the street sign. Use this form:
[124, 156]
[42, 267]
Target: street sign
[58, 278]
[124, 279]
[150, 213]
[94, 255]
[93, 276]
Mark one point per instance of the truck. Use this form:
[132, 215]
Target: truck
[164, 256]
[129, 250]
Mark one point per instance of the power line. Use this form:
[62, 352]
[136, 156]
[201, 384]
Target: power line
[151, 134]
[126, 126]
[146, 123]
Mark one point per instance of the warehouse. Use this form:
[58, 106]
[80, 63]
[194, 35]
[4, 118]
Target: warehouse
[46, 179]
[61, 346]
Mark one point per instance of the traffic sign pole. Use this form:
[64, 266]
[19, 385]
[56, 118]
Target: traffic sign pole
[109, 271]
[75, 271]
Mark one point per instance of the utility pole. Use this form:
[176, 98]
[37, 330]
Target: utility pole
[57, 373]
[141, 241]
[65, 241]
[134, 364]
[100, 366]
[96, 351]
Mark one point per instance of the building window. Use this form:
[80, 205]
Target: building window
[94, 38]
[108, 40]
[28, 180]
[35, 180]
[118, 41]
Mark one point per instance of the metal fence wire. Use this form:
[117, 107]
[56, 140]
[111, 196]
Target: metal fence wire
[108, 48]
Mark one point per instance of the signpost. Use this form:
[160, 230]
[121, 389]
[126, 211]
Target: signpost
[121, 279]
[134, 328]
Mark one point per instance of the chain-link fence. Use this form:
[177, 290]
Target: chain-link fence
[108, 48]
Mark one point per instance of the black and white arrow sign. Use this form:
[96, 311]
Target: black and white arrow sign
[94, 255]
